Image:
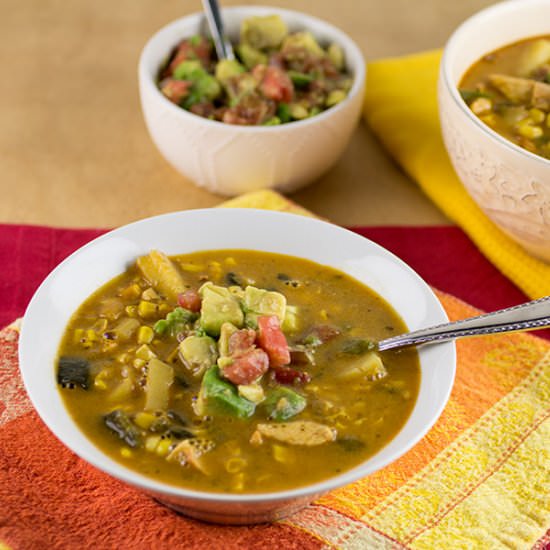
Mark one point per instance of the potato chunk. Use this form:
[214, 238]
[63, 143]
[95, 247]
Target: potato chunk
[299, 432]
[163, 275]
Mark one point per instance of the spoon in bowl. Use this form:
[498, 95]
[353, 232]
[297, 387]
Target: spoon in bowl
[528, 316]
[224, 50]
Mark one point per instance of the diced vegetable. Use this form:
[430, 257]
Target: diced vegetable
[72, 372]
[228, 68]
[121, 424]
[190, 300]
[253, 392]
[176, 321]
[241, 341]
[125, 329]
[299, 432]
[162, 274]
[198, 353]
[263, 31]
[537, 54]
[247, 367]
[291, 322]
[190, 452]
[368, 365]
[218, 396]
[219, 306]
[160, 377]
[258, 301]
[283, 403]
[226, 330]
[272, 340]
[302, 40]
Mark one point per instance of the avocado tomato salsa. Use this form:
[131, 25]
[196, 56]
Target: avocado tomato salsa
[278, 76]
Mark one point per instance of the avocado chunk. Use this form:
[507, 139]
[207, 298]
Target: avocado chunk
[258, 301]
[198, 353]
[302, 40]
[263, 32]
[283, 403]
[219, 306]
[218, 396]
[251, 56]
[227, 68]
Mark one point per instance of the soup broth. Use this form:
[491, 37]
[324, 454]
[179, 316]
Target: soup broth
[509, 90]
[283, 390]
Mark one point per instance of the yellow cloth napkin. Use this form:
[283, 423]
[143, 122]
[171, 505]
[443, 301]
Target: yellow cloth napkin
[401, 108]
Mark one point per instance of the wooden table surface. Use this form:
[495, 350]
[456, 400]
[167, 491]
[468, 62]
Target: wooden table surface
[74, 150]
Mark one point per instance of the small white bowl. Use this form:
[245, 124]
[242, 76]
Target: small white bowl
[511, 184]
[228, 159]
[102, 259]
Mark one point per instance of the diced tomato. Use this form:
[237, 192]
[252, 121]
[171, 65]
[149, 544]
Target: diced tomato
[272, 340]
[190, 299]
[189, 50]
[247, 367]
[276, 84]
[175, 90]
[288, 375]
[241, 341]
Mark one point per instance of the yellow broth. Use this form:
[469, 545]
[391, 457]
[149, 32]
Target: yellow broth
[365, 414]
[509, 90]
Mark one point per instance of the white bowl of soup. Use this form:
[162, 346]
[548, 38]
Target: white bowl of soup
[283, 141]
[494, 103]
[224, 361]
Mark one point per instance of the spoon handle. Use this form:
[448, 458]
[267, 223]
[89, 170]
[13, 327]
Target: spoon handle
[223, 47]
[528, 316]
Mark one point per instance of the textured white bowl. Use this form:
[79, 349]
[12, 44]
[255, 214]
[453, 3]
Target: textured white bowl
[99, 261]
[509, 183]
[229, 159]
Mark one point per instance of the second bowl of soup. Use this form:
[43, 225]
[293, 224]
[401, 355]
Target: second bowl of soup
[494, 102]
[225, 362]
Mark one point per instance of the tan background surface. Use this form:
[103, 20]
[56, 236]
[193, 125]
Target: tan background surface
[74, 150]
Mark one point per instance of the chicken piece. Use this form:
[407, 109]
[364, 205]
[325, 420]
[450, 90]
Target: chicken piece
[518, 90]
[541, 96]
[190, 451]
[299, 432]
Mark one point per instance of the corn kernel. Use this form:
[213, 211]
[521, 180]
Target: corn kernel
[529, 131]
[151, 443]
[139, 363]
[131, 292]
[126, 453]
[163, 447]
[91, 335]
[145, 335]
[536, 115]
[230, 261]
[147, 309]
[298, 111]
[78, 335]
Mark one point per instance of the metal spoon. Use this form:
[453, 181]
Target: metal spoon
[528, 316]
[215, 24]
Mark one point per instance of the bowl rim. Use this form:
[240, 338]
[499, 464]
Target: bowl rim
[359, 75]
[149, 484]
[451, 50]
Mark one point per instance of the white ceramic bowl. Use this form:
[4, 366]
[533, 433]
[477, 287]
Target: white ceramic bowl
[102, 259]
[229, 159]
[509, 183]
